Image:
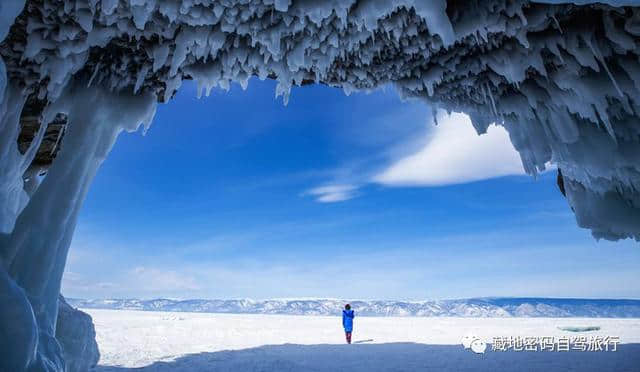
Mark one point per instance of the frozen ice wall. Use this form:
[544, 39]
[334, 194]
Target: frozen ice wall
[77, 337]
[34, 254]
[12, 166]
[39, 224]
[562, 78]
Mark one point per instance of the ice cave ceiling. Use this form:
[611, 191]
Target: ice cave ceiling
[563, 79]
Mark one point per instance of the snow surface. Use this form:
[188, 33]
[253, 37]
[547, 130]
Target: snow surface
[168, 341]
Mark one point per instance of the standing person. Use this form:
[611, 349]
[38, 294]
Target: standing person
[347, 321]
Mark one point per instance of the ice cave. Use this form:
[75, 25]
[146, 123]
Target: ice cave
[563, 78]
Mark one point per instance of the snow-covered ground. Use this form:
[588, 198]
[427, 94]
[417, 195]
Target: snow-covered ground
[164, 341]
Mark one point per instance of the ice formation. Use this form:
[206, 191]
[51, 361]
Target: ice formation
[563, 79]
[77, 336]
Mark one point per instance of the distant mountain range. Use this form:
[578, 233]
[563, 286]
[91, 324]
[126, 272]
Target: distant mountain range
[474, 307]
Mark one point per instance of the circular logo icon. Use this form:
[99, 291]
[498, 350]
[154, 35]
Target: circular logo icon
[474, 343]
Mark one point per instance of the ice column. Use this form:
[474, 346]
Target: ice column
[35, 253]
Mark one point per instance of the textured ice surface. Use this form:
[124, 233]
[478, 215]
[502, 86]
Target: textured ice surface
[77, 337]
[186, 342]
[563, 79]
[34, 254]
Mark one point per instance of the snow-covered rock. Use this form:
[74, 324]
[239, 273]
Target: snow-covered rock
[563, 79]
[468, 308]
[77, 337]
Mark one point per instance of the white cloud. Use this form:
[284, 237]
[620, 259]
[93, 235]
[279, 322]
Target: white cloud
[406, 271]
[333, 193]
[455, 154]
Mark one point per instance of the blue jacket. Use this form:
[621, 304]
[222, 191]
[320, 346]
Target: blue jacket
[347, 320]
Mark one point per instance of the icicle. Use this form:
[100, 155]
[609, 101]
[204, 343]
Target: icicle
[493, 102]
[523, 19]
[596, 52]
[604, 118]
[140, 78]
[555, 20]
[12, 164]
[95, 72]
[613, 80]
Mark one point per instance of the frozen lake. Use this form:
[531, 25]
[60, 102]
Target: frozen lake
[162, 341]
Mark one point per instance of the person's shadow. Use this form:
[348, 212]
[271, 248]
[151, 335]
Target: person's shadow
[363, 341]
[395, 357]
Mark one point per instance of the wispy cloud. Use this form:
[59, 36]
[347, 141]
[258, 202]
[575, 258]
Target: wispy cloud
[497, 263]
[438, 155]
[333, 193]
[455, 154]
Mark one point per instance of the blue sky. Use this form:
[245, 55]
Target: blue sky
[236, 195]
